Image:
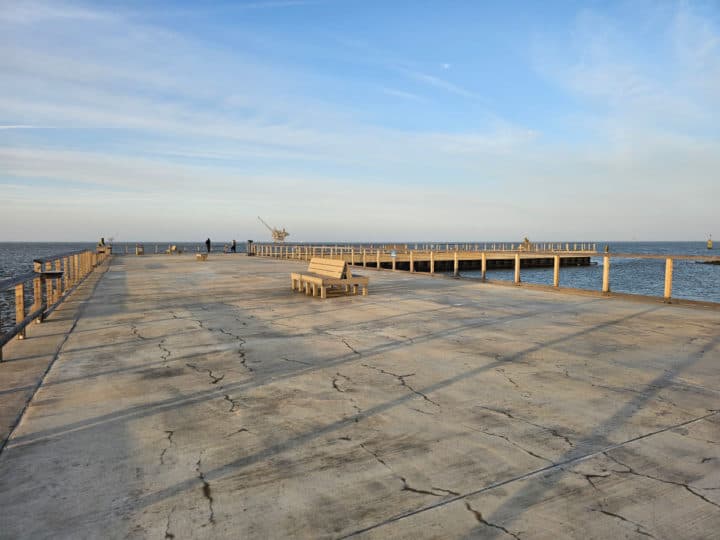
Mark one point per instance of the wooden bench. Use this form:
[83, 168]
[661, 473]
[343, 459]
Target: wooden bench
[201, 256]
[323, 274]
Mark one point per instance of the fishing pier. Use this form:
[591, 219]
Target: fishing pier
[168, 397]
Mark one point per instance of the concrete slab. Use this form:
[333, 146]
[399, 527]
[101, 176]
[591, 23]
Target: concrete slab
[206, 400]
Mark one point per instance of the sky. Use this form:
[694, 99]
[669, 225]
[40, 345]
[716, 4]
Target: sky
[359, 120]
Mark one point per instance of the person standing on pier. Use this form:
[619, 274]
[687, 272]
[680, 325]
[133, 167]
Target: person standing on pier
[233, 246]
[208, 245]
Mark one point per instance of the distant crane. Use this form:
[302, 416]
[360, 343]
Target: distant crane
[277, 234]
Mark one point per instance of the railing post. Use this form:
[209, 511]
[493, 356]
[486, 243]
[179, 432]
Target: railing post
[66, 272]
[58, 281]
[517, 269]
[49, 285]
[20, 307]
[37, 296]
[556, 270]
[668, 278]
[606, 274]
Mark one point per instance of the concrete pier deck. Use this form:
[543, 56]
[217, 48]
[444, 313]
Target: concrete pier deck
[206, 400]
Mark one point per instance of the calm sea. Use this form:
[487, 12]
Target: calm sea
[691, 280]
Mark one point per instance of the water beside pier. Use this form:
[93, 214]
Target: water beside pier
[691, 280]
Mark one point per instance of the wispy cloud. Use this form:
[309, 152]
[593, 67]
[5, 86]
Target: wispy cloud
[26, 126]
[403, 95]
[442, 84]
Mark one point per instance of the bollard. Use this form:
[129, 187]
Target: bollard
[432, 262]
[412, 262]
[483, 266]
[377, 260]
[668, 278]
[456, 265]
[606, 274]
[517, 269]
[556, 271]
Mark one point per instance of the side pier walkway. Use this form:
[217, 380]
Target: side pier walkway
[206, 400]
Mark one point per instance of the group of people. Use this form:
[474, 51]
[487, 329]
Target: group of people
[231, 249]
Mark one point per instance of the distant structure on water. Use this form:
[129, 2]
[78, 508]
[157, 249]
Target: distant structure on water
[709, 242]
[277, 234]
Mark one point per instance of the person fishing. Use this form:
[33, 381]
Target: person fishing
[233, 246]
[208, 245]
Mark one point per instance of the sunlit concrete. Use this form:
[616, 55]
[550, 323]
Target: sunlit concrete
[206, 400]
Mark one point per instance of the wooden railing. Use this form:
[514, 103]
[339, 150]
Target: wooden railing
[307, 251]
[52, 280]
[394, 254]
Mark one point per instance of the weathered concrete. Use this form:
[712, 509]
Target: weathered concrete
[206, 400]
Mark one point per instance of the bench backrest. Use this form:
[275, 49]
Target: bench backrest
[333, 268]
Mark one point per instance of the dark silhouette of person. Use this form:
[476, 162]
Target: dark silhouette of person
[208, 245]
[233, 246]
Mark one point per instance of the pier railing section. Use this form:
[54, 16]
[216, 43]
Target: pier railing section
[38, 293]
[515, 256]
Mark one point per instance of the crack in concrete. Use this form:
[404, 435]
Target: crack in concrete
[170, 434]
[134, 331]
[234, 403]
[502, 372]
[164, 351]
[241, 342]
[554, 432]
[378, 458]
[241, 345]
[337, 379]
[207, 492]
[241, 430]
[403, 382]
[480, 519]
[168, 534]
[448, 491]
[590, 476]
[350, 347]
[405, 485]
[630, 470]
[214, 379]
[506, 438]
[638, 527]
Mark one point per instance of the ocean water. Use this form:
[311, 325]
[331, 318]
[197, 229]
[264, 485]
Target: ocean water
[691, 280]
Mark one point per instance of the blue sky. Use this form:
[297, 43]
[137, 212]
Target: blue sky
[360, 120]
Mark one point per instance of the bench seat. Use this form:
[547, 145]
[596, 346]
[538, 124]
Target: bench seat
[324, 274]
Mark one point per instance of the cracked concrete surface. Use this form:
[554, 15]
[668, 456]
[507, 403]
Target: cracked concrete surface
[207, 401]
